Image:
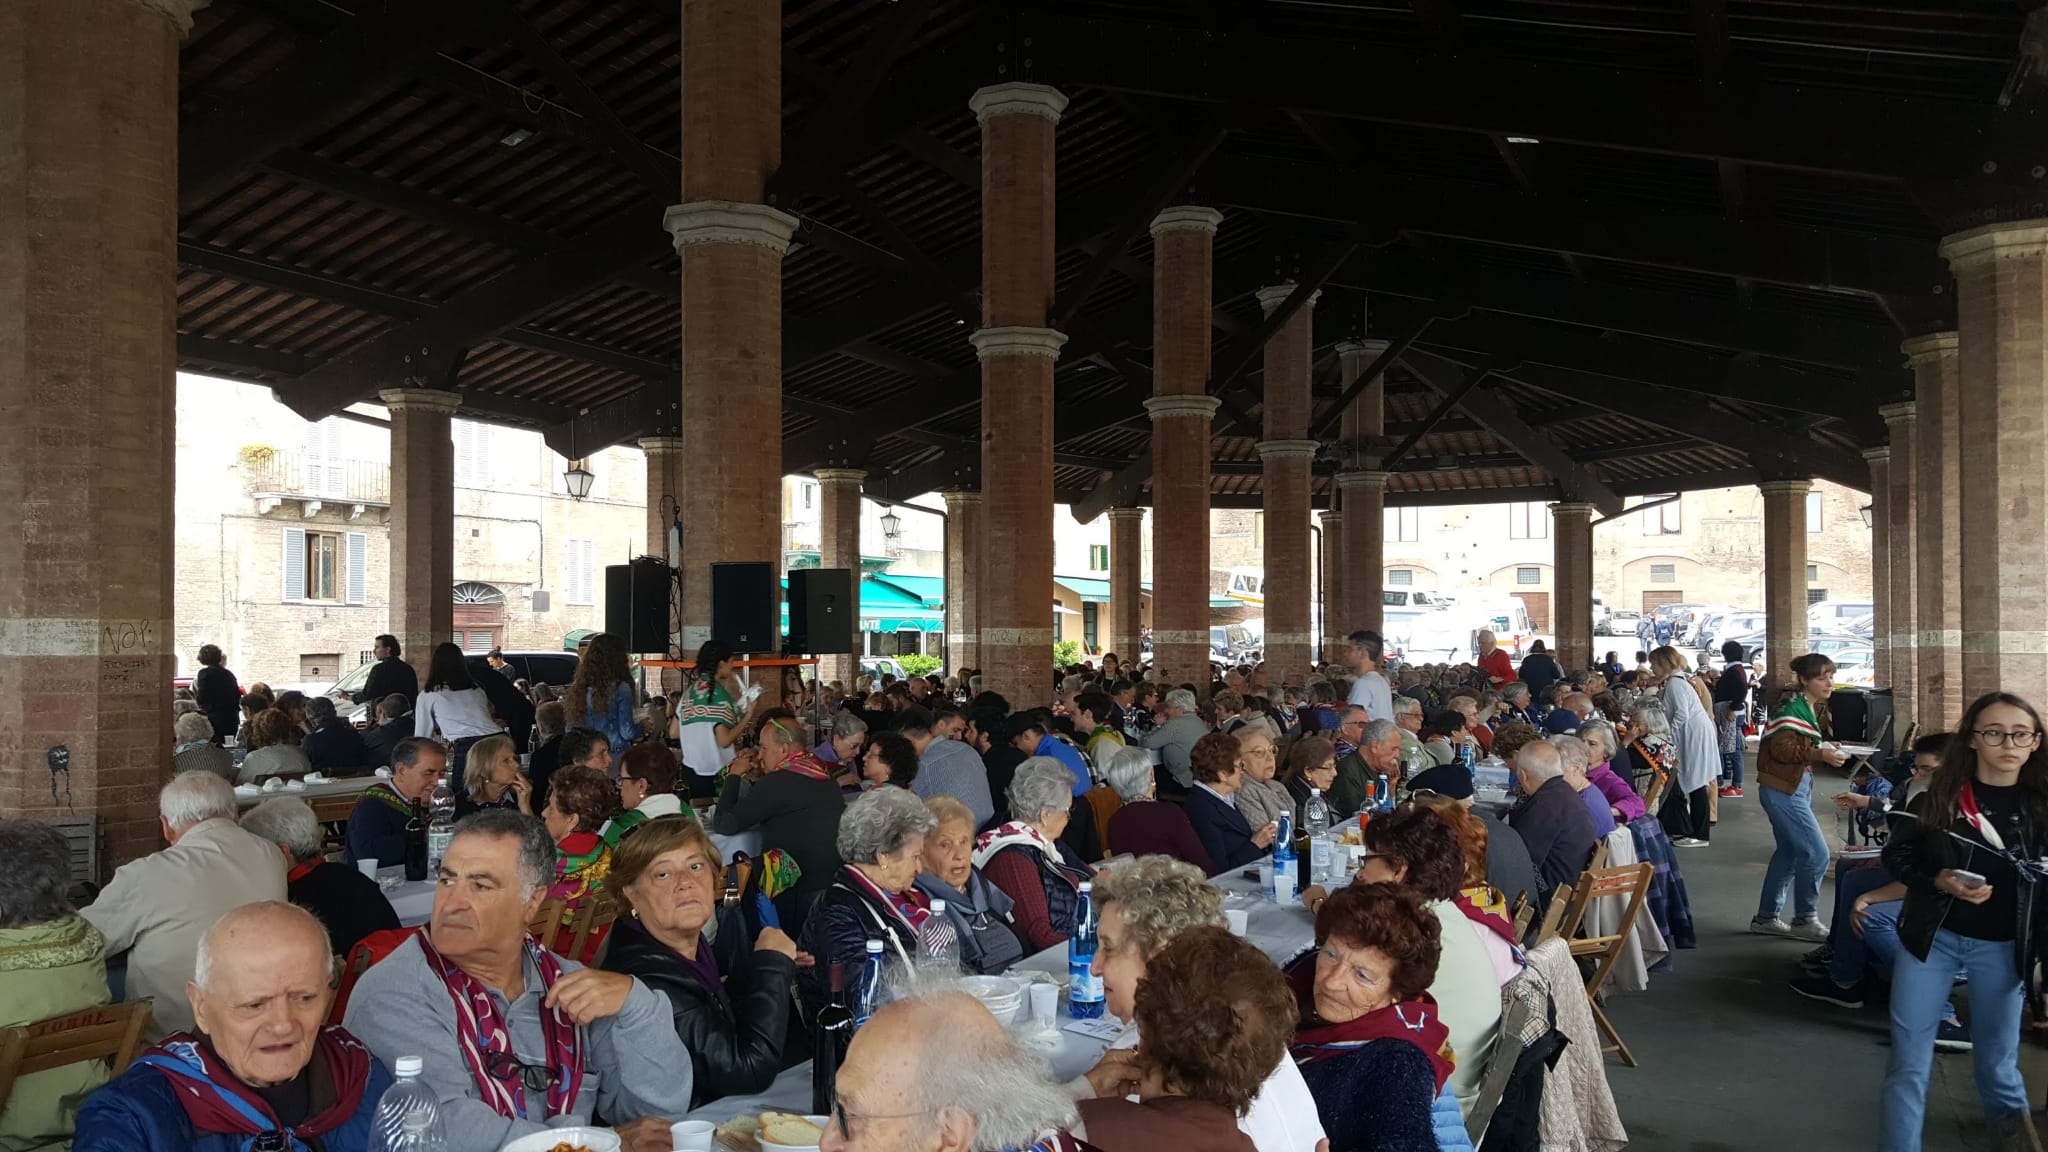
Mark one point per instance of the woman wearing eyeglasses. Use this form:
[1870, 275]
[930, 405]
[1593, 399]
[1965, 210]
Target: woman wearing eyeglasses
[1969, 909]
[1793, 743]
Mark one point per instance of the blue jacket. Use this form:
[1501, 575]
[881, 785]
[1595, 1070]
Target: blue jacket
[138, 1111]
[1222, 830]
[1449, 1123]
[1070, 756]
[615, 719]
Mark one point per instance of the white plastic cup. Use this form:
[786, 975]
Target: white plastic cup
[1045, 1005]
[691, 1135]
[1238, 919]
[367, 865]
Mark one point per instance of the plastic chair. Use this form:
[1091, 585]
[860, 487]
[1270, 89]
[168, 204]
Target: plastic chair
[109, 1032]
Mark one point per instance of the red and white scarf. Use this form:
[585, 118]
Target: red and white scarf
[482, 1032]
[1975, 815]
[1012, 834]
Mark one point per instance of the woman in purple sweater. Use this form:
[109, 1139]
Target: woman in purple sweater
[1601, 746]
[1146, 826]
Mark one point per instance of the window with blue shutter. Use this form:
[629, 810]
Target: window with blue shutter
[358, 566]
[293, 564]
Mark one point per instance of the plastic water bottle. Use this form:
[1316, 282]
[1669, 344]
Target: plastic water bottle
[1315, 819]
[409, 1115]
[440, 825]
[1468, 754]
[1286, 869]
[867, 987]
[940, 943]
[1084, 988]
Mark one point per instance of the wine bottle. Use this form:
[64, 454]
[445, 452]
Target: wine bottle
[830, 1034]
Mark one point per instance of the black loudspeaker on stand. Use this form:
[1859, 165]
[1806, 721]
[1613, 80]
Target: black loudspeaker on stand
[821, 611]
[746, 607]
[636, 603]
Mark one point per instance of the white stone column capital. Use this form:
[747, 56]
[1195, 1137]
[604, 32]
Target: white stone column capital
[1346, 481]
[1017, 340]
[1900, 413]
[1017, 99]
[853, 476]
[655, 445]
[1577, 509]
[1785, 487]
[1272, 296]
[420, 400]
[958, 498]
[729, 222]
[1132, 513]
[2016, 240]
[1271, 450]
[1920, 349]
[1369, 350]
[1182, 404]
[1332, 517]
[1187, 218]
[1881, 454]
[178, 12]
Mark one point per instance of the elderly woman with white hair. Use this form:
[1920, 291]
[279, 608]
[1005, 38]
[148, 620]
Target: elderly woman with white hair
[1651, 753]
[1145, 826]
[875, 896]
[842, 744]
[1025, 857]
[977, 909]
[1601, 749]
[1261, 796]
[1572, 752]
[349, 904]
[196, 751]
[1174, 740]
[1690, 709]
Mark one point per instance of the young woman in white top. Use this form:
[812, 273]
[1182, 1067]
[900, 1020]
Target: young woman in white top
[453, 705]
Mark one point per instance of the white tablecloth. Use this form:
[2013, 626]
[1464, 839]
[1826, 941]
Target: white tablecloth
[1280, 931]
[352, 786]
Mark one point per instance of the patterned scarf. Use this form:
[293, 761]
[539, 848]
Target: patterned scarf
[1485, 907]
[1016, 832]
[1967, 801]
[216, 1100]
[482, 1032]
[385, 794]
[804, 764]
[912, 907]
[1412, 1021]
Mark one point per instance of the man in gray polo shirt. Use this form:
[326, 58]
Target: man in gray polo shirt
[946, 767]
[516, 1040]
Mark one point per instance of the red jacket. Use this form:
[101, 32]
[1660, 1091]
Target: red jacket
[1498, 668]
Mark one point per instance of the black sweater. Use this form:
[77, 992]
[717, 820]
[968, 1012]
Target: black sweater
[391, 676]
[349, 903]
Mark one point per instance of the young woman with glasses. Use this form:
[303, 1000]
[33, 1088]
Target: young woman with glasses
[1968, 852]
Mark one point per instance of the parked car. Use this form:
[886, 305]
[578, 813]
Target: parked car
[1621, 622]
[1599, 615]
[554, 669]
[877, 665]
[1828, 644]
[1857, 666]
[1830, 615]
[1734, 622]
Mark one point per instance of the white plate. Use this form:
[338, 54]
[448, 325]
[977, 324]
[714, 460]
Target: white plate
[770, 1146]
[595, 1139]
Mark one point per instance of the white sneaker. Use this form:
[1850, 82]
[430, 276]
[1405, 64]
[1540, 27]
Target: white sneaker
[1809, 929]
[1689, 842]
[1771, 927]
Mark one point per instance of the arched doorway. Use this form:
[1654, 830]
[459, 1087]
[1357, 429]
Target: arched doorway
[479, 616]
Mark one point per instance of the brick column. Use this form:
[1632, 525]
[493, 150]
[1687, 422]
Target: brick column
[1884, 623]
[1126, 583]
[1331, 594]
[1362, 431]
[1937, 531]
[422, 520]
[731, 245]
[1365, 549]
[1183, 242]
[1784, 575]
[839, 510]
[1902, 557]
[664, 491]
[1017, 353]
[963, 579]
[1289, 458]
[88, 223]
[2001, 305]
[1571, 612]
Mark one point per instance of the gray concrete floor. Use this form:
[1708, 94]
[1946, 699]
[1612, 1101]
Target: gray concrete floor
[1730, 1059]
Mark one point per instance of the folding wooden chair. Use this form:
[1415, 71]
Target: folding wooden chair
[596, 914]
[1631, 884]
[1654, 798]
[110, 1032]
[1599, 860]
[1524, 913]
[1517, 1013]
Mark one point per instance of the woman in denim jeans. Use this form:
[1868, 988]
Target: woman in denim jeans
[1970, 866]
[1793, 743]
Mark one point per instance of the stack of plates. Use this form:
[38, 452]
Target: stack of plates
[1000, 996]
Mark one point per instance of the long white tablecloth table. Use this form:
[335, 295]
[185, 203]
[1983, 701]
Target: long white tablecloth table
[1281, 931]
[248, 797]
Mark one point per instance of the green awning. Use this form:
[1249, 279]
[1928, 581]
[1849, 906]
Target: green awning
[574, 638]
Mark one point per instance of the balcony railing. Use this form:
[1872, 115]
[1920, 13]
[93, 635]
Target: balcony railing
[297, 475]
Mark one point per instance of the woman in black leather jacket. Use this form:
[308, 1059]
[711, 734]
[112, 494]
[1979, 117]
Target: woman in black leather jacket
[1967, 852]
[731, 1000]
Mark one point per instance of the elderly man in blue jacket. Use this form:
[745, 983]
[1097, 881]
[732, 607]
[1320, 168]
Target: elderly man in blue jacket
[262, 1067]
